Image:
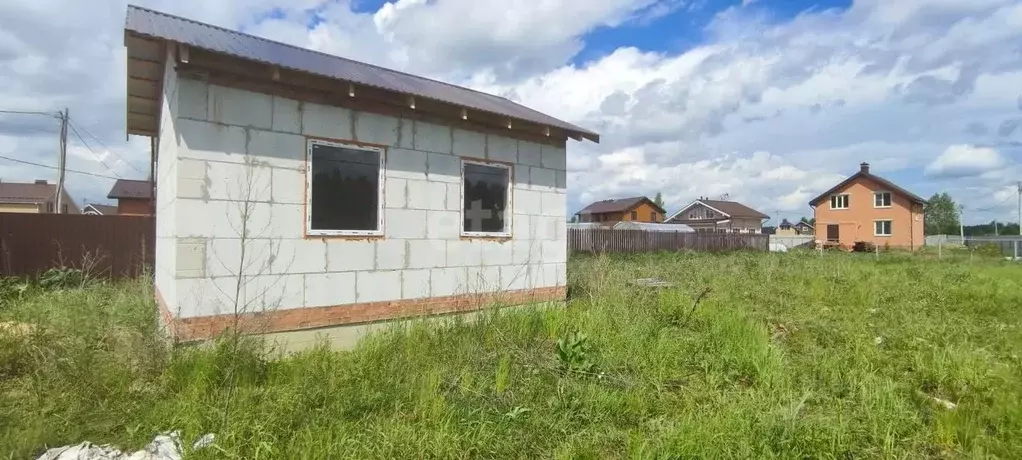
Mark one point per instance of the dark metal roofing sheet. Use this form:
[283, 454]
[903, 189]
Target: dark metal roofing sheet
[161, 25]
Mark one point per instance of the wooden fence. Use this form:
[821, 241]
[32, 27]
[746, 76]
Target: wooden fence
[608, 240]
[110, 246]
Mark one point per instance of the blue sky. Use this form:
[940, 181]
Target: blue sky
[770, 102]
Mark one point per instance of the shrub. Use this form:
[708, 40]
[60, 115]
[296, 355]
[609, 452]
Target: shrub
[988, 250]
[864, 246]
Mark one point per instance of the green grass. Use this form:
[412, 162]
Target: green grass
[787, 356]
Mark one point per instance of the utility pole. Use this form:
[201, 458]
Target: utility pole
[1019, 190]
[961, 222]
[62, 161]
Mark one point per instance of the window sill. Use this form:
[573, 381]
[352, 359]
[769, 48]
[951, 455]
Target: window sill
[345, 236]
[881, 236]
[486, 236]
[838, 209]
[882, 207]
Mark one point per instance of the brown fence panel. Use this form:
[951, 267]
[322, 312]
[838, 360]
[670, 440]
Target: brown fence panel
[597, 240]
[112, 246]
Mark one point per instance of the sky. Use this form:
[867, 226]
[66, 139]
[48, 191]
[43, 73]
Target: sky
[769, 102]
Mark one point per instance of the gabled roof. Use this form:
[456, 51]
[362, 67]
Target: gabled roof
[142, 24]
[101, 209]
[127, 188]
[865, 174]
[619, 205]
[39, 192]
[729, 209]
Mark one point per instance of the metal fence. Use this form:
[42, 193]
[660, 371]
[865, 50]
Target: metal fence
[111, 246]
[793, 241]
[1009, 245]
[608, 240]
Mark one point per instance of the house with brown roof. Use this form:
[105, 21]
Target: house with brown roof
[867, 207]
[39, 197]
[134, 197]
[705, 215]
[94, 209]
[633, 209]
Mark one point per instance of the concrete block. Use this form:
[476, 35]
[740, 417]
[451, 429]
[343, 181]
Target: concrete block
[238, 107]
[266, 293]
[238, 182]
[200, 297]
[468, 143]
[288, 186]
[500, 148]
[190, 258]
[530, 153]
[554, 204]
[482, 279]
[542, 179]
[326, 121]
[350, 255]
[522, 179]
[555, 158]
[329, 289]
[429, 137]
[204, 140]
[376, 129]
[443, 224]
[561, 180]
[496, 253]
[406, 134]
[405, 223]
[278, 150]
[554, 251]
[396, 193]
[463, 253]
[562, 274]
[287, 221]
[522, 228]
[298, 256]
[548, 275]
[527, 202]
[238, 219]
[526, 252]
[203, 218]
[378, 286]
[391, 254]
[287, 115]
[426, 253]
[444, 168]
[190, 188]
[192, 98]
[546, 226]
[190, 169]
[514, 277]
[224, 257]
[426, 195]
[415, 284]
[447, 281]
[453, 200]
[406, 164]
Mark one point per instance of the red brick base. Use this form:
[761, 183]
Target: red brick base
[206, 327]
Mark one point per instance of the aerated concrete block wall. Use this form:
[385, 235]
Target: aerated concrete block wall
[238, 169]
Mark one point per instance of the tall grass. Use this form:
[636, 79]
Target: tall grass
[786, 356]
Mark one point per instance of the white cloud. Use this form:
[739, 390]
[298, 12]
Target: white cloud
[964, 160]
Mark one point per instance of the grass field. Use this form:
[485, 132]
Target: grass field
[786, 356]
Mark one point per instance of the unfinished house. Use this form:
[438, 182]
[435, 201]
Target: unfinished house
[299, 191]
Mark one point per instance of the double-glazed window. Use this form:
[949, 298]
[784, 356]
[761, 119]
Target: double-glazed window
[839, 201]
[486, 199]
[882, 199]
[345, 189]
[882, 228]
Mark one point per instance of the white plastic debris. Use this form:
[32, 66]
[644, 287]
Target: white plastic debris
[878, 340]
[166, 446]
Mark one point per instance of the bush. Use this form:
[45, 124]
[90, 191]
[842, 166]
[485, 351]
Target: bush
[864, 246]
[988, 250]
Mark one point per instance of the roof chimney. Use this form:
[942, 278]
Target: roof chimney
[864, 168]
[40, 181]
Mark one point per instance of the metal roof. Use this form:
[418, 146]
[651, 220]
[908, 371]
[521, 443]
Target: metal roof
[128, 188]
[617, 205]
[160, 25]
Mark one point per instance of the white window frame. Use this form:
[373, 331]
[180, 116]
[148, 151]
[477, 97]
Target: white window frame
[382, 152]
[508, 210]
[835, 198]
[890, 227]
[881, 193]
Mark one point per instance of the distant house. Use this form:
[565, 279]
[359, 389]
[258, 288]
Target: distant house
[134, 197]
[867, 207]
[786, 228]
[634, 209]
[94, 209]
[39, 197]
[706, 215]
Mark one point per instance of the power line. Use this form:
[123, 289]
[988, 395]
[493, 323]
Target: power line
[28, 112]
[54, 167]
[994, 206]
[108, 149]
[93, 151]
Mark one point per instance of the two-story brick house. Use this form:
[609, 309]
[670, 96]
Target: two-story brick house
[866, 207]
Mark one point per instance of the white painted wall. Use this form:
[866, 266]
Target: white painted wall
[228, 144]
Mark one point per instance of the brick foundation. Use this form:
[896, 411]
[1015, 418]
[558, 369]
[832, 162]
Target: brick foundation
[207, 327]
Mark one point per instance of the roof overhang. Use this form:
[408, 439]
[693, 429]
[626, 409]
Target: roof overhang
[147, 56]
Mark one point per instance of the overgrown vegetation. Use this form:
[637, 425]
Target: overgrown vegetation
[747, 356]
